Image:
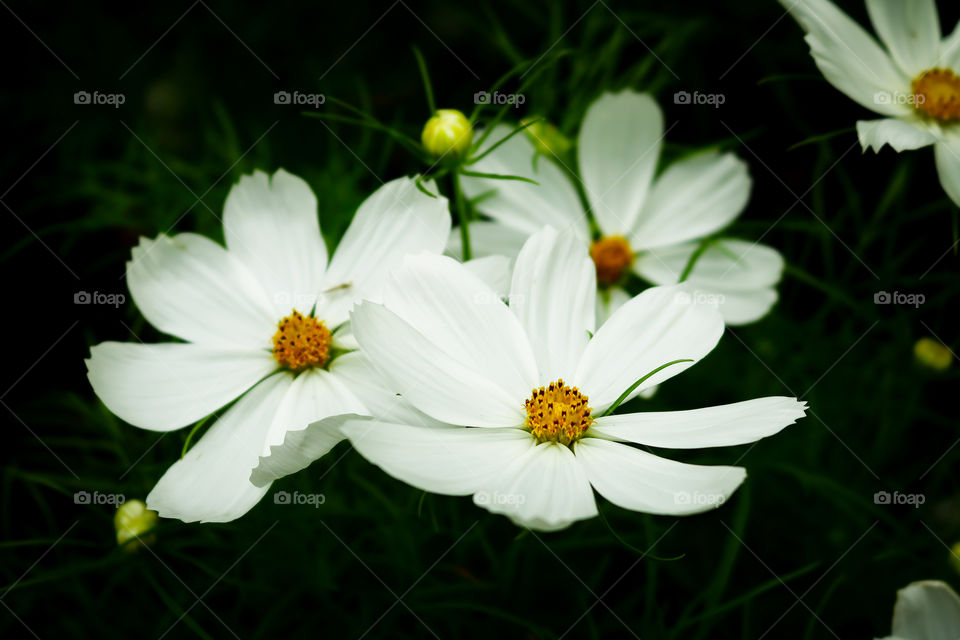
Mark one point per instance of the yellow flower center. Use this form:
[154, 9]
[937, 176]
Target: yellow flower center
[558, 413]
[937, 94]
[612, 255]
[301, 342]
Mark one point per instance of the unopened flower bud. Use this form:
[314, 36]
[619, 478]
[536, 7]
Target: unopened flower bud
[547, 138]
[447, 134]
[132, 520]
[932, 354]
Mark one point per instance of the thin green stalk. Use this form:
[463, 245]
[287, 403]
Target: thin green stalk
[463, 214]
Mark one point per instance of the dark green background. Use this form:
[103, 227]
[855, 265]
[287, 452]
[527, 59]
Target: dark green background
[199, 112]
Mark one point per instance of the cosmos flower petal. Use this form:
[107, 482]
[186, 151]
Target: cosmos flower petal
[380, 399]
[661, 325]
[488, 238]
[900, 134]
[947, 155]
[910, 30]
[301, 448]
[721, 426]
[314, 394]
[162, 387]
[211, 483]
[554, 295]
[608, 301]
[634, 479]
[694, 197]
[270, 223]
[950, 50]
[190, 287]
[743, 307]
[738, 276]
[465, 318]
[351, 375]
[545, 489]
[927, 610]
[522, 205]
[396, 220]
[727, 264]
[618, 151]
[495, 272]
[849, 58]
[448, 461]
[434, 381]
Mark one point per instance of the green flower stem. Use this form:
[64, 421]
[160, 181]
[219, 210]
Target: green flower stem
[462, 213]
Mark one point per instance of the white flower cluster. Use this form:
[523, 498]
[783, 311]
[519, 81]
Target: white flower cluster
[499, 377]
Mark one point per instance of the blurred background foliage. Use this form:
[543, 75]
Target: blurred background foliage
[802, 550]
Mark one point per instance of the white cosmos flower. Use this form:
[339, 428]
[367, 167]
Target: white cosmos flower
[914, 82]
[926, 610]
[262, 320]
[652, 225]
[514, 396]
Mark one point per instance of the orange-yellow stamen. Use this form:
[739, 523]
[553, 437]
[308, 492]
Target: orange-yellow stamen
[612, 255]
[301, 342]
[558, 413]
[937, 94]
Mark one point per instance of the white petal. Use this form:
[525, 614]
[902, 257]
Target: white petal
[270, 223]
[521, 205]
[636, 480]
[398, 219]
[212, 482]
[927, 610]
[431, 379]
[608, 301]
[554, 295]
[464, 318]
[488, 239]
[722, 426]
[947, 154]
[693, 198]
[901, 135]
[546, 489]
[494, 271]
[850, 59]
[313, 396]
[660, 325]
[381, 400]
[450, 461]
[190, 287]
[618, 150]
[301, 448]
[911, 31]
[727, 264]
[743, 307]
[738, 276]
[167, 386]
[950, 50]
